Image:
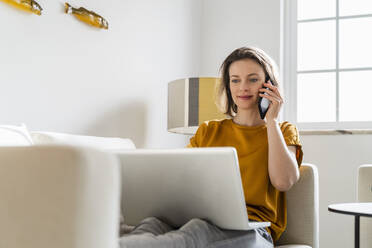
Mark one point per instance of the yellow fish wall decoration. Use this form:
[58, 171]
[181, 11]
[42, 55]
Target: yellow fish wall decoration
[26, 5]
[87, 16]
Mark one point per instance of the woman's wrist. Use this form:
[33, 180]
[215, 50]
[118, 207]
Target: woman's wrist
[272, 123]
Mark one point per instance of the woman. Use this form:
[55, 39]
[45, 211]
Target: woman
[269, 155]
[269, 152]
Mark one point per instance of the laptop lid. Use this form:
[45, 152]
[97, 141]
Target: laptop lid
[176, 185]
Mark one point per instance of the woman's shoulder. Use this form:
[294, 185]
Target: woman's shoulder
[288, 128]
[206, 130]
[286, 124]
[215, 123]
[211, 126]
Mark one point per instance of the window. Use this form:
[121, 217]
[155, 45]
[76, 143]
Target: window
[328, 63]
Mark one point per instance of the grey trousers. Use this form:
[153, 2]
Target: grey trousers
[197, 233]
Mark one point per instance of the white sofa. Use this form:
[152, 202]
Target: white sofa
[303, 211]
[58, 190]
[101, 143]
[58, 196]
[303, 219]
[21, 136]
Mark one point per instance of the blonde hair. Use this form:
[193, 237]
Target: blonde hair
[224, 100]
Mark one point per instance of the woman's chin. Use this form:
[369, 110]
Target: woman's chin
[251, 107]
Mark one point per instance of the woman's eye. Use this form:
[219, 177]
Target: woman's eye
[235, 80]
[254, 80]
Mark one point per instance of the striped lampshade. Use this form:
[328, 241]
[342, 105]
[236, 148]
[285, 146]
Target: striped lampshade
[190, 103]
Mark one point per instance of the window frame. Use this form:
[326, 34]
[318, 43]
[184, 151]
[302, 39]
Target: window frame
[289, 70]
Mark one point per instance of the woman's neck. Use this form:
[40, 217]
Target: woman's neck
[248, 118]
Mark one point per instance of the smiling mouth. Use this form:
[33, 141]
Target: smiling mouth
[245, 97]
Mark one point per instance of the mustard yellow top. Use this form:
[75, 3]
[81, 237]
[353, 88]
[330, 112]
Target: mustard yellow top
[263, 201]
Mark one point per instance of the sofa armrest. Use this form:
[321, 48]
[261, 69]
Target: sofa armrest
[303, 210]
[58, 196]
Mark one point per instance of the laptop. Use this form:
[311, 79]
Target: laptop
[177, 185]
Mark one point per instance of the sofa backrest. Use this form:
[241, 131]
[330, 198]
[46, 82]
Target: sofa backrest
[101, 143]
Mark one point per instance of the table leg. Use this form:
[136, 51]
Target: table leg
[356, 234]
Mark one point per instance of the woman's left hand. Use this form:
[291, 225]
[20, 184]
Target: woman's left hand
[276, 101]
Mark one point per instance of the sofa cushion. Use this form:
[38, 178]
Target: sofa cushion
[102, 143]
[15, 135]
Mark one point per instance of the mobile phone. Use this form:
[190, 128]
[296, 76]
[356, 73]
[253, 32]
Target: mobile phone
[263, 103]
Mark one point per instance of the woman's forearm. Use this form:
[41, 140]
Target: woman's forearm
[283, 168]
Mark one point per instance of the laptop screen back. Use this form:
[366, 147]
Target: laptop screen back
[176, 185]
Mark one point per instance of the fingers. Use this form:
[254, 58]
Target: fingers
[272, 91]
[272, 88]
[272, 99]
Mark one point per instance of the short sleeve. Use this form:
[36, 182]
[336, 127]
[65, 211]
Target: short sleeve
[292, 138]
[195, 141]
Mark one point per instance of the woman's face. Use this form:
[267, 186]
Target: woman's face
[246, 78]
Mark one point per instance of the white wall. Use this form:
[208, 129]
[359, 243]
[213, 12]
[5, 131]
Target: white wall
[227, 25]
[58, 74]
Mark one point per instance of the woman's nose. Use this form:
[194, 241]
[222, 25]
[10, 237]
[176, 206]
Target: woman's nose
[244, 86]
